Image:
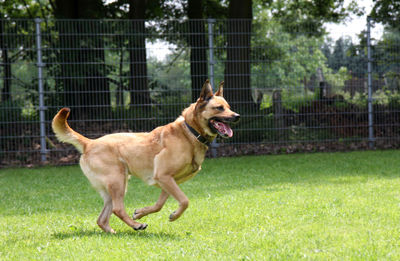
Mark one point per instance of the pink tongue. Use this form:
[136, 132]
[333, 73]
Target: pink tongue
[223, 128]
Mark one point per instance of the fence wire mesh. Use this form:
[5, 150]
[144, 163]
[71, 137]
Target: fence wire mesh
[295, 90]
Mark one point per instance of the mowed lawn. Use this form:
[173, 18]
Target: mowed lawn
[324, 206]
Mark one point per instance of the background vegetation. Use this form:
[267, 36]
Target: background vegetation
[102, 59]
[286, 36]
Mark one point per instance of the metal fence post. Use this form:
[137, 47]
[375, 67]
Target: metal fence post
[371, 138]
[40, 65]
[211, 49]
[211, 62]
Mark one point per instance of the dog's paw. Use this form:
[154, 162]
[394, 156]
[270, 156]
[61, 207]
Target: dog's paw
[173, 216]
[141, 227]
[135, 215]
[110, 231]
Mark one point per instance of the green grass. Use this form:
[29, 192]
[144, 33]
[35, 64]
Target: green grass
[330, 206]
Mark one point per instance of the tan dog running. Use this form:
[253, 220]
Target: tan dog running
[164, 157]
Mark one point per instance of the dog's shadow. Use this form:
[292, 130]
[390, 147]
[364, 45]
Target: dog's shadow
[98, 233]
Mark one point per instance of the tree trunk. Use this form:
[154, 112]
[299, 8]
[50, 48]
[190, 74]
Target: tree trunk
[6, 91]
[237, 69]
[83, 73]
[138, 84]
[119, 95]
[198, 45]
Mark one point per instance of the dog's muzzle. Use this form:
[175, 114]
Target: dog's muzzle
[220, 125]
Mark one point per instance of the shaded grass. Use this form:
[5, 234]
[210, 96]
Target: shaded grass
[329, 206]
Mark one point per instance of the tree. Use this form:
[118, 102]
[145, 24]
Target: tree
[237, 70]
[82, 73]
[6, 90]
[138, 85]
[386, 12]
[291, 55]
[198, 46]
[195, 36]
[386, 58]
[288, 62]
[309, 16]
[15, 9]
[349, 55]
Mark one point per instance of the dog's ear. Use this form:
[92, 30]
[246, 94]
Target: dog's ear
[206, 92]
[220, 91]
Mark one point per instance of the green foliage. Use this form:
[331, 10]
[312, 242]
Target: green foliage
[345, 54]
[287, 40]
[386, 12]
[337, 79]
[17, 110]
[387, 98]
[292, 60]
[383, 97]
[170, 86]
[25, 9]
[29, 112]
[307, 16]
[170, 77]
[256, 128]
[292, 100]
[169, 89]
[298, 133]
[387, 58]
[11, 110]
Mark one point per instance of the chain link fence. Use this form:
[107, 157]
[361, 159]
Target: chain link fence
[295, 90]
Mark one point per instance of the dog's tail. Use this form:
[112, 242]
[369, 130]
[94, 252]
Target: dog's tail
[64, 132]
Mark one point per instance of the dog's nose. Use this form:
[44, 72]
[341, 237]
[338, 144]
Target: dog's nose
[236, 117]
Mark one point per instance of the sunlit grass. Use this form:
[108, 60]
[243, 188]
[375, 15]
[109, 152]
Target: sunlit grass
[330, 206]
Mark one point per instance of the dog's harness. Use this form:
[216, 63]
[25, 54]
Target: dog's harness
[198, 136]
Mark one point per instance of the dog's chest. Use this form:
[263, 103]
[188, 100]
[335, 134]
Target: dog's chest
[190, 170]
[186, 174]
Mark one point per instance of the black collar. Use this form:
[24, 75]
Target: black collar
[198, 136]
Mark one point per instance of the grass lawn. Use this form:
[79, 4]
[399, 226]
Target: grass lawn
[324, 206]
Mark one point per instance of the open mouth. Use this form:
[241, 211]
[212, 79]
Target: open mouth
[221, 126]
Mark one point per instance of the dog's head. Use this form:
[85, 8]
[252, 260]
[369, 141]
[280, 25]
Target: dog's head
[213, 112]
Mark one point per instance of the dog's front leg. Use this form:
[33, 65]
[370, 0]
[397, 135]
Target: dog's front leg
[139, 213]
[168, 184]
[166, 165]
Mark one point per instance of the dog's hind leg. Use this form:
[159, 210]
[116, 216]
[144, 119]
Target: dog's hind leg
[104, 219]
[100, 187]
[117, 193]
[139, 213]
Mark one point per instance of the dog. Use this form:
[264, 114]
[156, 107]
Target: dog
[165, 157]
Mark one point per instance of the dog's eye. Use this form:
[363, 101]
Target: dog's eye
[220, 108]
